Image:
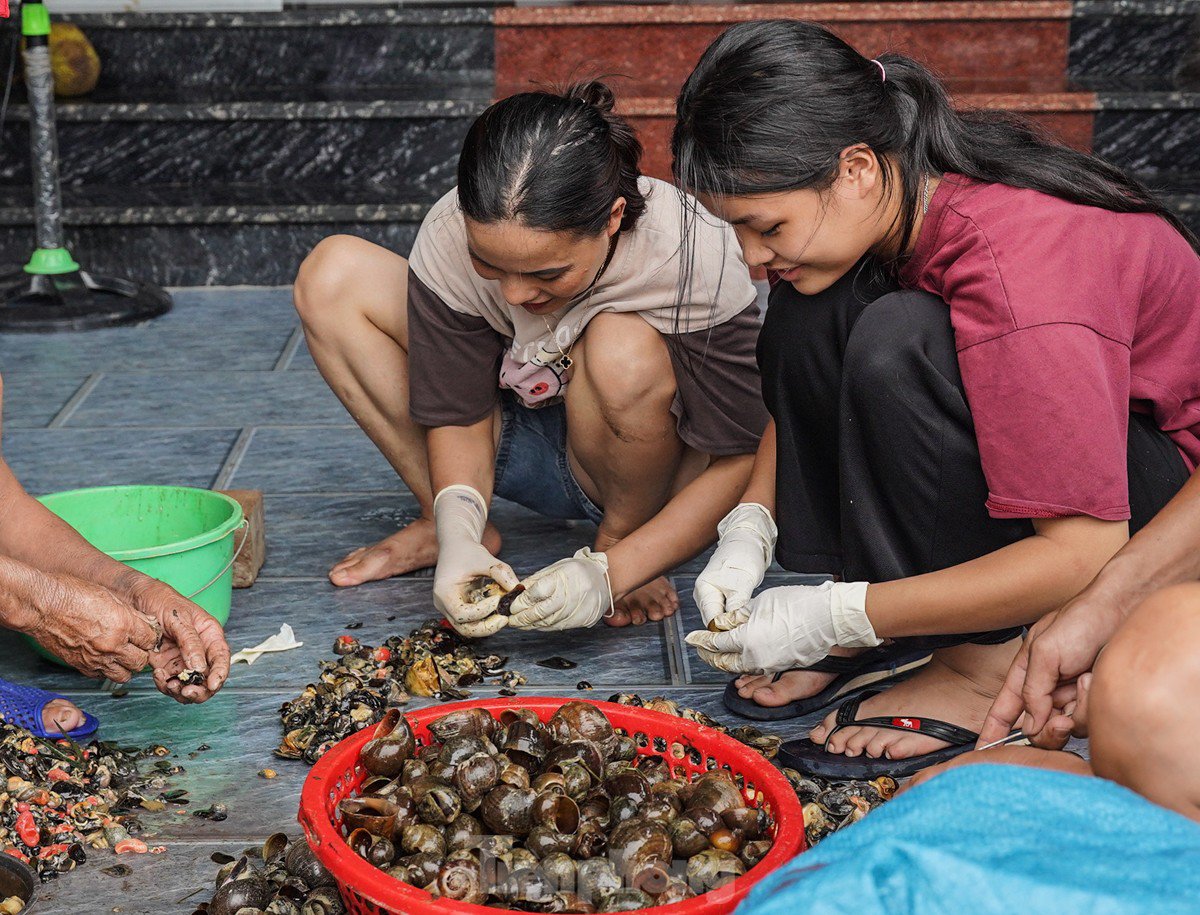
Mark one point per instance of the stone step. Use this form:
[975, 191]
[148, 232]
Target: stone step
[180, 235]
[228, 55]
[653, 48]
[1065, 115]
[408, 142]
[1138, 44]
[1150, 133]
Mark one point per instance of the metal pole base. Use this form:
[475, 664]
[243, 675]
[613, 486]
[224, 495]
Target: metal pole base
[36, 303]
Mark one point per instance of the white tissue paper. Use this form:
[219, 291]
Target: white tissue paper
[284, 640]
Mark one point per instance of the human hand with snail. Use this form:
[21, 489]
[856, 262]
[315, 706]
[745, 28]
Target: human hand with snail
[460, 515]
[787, 628]
[572, 593]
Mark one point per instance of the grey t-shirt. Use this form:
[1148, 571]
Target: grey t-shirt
[461, 331]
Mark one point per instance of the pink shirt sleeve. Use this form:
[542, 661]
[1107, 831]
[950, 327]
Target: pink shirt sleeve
[1051, 410]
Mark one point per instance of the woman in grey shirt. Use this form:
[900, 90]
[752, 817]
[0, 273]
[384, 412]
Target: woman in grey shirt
[537, 346]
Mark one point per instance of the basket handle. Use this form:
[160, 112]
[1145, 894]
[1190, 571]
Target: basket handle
[229, 565]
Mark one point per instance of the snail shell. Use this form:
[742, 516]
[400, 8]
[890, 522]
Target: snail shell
[462, 880]
[508, 810]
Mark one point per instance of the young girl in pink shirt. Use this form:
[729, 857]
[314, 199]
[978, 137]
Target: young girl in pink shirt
[982, 362]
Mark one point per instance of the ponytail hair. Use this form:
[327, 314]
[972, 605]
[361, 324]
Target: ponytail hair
[555, 161]
[771, 105]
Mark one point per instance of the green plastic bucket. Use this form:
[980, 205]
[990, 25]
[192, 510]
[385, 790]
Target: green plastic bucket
[179, 535]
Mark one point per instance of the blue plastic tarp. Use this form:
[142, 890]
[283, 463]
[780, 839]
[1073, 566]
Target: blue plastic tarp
[980, 839]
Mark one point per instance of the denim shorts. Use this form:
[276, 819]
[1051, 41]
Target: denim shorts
[531, 462]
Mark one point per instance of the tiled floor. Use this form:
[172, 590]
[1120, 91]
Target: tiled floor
[221, 392]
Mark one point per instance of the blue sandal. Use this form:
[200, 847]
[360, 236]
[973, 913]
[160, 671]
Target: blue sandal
[22, 706]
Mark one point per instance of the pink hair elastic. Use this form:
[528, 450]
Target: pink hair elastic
[882, 72]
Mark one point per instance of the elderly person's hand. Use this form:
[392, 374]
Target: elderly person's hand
[191, 640]
[95, 630]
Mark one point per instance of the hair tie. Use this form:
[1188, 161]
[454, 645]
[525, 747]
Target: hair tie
[882, 72]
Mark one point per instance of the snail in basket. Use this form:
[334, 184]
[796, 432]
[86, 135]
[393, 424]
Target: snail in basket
[561, 816]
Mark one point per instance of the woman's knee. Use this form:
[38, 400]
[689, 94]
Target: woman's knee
[626, 363]
[894, 335]
[345, 275]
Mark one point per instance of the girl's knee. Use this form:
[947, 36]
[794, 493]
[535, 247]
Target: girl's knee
[334, 268]
[626, 363]
[892, 340]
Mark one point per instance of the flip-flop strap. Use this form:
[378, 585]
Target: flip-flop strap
[834, 664]
[847, 715]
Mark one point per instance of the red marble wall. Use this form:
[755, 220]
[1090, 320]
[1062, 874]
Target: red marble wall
[1008, 55]
[652, 49]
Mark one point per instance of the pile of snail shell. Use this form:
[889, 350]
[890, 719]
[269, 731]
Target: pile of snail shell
[561, 816]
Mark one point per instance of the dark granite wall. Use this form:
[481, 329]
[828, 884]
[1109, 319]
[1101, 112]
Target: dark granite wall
[1152, 44]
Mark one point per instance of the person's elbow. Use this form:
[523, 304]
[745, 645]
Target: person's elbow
[1084, 543]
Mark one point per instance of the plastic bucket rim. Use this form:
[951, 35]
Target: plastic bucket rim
[329, 769]
[194, 542]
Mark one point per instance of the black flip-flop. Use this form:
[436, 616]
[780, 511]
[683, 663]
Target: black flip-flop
[811, 758]
[875, 665]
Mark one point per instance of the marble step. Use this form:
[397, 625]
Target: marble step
[228, 54]
[1144, 44]
[409, 141]
[1067, 115]
[1150, 133]
[653, 48]
[228, 234]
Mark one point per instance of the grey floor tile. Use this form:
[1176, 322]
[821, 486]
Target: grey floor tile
[302, 361]
[19, 664]
[47, 460]
[321, 459]
[228, 329]
[167, 884]
[689, 619]
[216, 398]
[307, 534]
[33, 399]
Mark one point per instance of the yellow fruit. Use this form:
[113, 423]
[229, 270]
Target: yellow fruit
[74, 61]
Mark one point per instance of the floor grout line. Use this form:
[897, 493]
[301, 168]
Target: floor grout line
[234, 460]
[685, 664]
[289, 350]
[73, 402]
[676, 656]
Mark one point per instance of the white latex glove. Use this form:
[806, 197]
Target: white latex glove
[788, 628]
[459, 516]
[742, 558]
[570, 594]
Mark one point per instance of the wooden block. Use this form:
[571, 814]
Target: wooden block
[254, 552]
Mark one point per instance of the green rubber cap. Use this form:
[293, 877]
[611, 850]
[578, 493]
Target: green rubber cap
[35, 20]
[51, 261]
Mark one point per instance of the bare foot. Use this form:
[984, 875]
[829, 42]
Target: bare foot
[61, 716]
[411, 548]
[656, 601]
[957, 686]
[793, 685]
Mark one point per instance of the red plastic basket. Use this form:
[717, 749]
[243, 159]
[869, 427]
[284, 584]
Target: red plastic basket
[368, 891]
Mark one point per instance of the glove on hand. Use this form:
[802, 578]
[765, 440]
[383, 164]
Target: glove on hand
[788, 628]
[743, 555]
